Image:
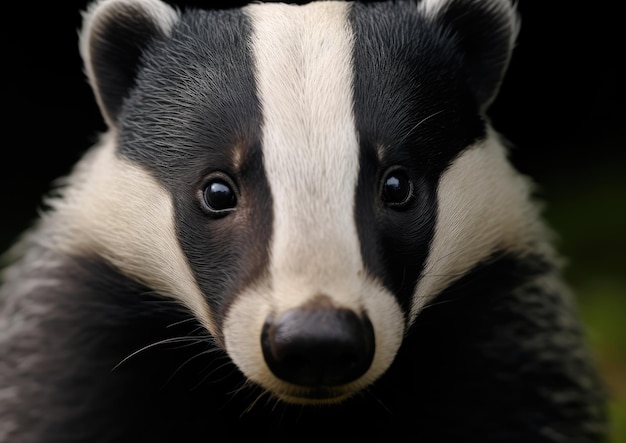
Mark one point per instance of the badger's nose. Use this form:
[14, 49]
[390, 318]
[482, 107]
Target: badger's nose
[318, 346]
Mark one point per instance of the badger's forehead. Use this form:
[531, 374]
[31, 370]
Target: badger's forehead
[195, 98]
[198, 94]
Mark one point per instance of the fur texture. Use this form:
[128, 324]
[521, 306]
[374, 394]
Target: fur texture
[299, 226]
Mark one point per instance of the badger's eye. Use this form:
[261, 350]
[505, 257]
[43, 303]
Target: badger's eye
[396, 188]
[218, 196]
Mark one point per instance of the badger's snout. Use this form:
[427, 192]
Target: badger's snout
[318, 344]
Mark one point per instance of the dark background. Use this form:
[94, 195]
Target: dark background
[562, 105]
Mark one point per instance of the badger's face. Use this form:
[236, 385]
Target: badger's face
[303, 178]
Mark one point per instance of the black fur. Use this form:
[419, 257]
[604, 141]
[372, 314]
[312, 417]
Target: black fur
[119, 45]
[497, 357]
[422, 115]
[466, 371]
[197, 92]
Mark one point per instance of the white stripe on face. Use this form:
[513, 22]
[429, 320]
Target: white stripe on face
[304, 72]
[116, 209]
[304, 77]
[483, 207]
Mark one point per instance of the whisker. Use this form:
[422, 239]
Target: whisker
[223, 365]
[246, 388]
[178, 323]
[437, 302]
[425, 119]
[277, 403]
[432, 274]
[369, 393]
[244, 385]
[189, 360]
[190, 341]
[254, 402]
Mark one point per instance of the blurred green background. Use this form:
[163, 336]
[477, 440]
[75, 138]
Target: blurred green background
[597, 270]
[562, 104]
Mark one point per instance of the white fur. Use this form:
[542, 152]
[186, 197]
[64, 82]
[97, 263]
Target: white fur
[114, 208]
[121, 211]
[303, 58]
[303, 63]
[483, 206]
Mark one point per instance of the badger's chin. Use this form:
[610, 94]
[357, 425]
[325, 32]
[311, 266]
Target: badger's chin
[313, 395]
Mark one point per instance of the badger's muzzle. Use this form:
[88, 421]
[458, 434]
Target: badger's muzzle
[318, 345]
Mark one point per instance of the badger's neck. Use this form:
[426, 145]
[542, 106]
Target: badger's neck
[83, 346]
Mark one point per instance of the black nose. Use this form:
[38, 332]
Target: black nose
[318, 346]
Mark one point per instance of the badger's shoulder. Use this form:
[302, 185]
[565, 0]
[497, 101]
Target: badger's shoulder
[66, 322]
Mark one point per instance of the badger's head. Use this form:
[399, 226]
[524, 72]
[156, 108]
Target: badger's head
[303, 178]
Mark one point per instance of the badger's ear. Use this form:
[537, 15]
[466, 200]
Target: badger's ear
[112, 38]
[486, 31]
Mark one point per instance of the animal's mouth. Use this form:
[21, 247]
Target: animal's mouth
[315, 395]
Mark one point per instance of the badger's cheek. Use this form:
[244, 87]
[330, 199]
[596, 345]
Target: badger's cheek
[315, 352]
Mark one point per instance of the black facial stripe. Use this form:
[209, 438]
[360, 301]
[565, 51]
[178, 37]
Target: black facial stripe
[195, 111]
[412, 104]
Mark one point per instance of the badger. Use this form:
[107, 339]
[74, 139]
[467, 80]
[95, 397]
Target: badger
[299, 225]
